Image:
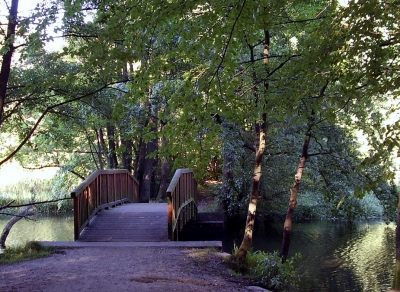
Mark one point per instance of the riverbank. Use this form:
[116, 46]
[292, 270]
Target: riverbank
[123, 268]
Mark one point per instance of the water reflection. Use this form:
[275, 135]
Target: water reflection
[42, 228]
[336, 256]
[370, 256]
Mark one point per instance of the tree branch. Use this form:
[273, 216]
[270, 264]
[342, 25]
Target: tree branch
[9, 205]
[46, 111]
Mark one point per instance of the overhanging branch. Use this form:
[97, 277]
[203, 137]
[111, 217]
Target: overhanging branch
[9, 205]
[49, 109]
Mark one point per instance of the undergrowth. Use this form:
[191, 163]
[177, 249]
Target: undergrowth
[268, 270]
[31, 250]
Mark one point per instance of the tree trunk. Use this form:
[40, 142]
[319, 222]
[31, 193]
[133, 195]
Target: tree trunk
[100, 146]
[127, 155]
[164, 175]
[397, 264]
[147, 183]
[6, 62]
[260, 146]
[112, 147]
[139, 161]
[261, 132]
[26, 211]
[163, 179]
[287, 228]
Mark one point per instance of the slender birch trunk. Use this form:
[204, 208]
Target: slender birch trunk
[251, 213]
[261, 143]
[397, 264]
[287, 228]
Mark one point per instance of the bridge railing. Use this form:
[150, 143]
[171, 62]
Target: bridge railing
[182, 207]
[102, 189]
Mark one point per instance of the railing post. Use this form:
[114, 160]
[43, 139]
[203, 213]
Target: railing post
[170, 216]
[76, 218]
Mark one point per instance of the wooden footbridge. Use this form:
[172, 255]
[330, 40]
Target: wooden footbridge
[106, 208]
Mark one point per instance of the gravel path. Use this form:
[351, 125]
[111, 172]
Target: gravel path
[122, 269]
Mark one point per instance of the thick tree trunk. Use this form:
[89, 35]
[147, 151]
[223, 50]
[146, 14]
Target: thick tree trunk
[101, 147]
[112, 147]
[164, 177]
[139, 161]
[26, 211]
[147, 183]
[7, 57]
[127, 155]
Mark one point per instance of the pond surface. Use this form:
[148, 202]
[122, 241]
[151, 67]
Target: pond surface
[42, 228]
[336, 256]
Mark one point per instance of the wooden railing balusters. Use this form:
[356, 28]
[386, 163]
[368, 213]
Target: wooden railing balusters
[181, 196]
[102, 189]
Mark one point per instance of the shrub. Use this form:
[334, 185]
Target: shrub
[269, 270]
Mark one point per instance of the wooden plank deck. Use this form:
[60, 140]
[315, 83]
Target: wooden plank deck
[138, 222]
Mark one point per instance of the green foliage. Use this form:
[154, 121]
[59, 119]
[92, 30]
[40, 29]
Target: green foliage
[26, 190]
[39, 190]
[234, 192]
[371, 206]
[388, 196]
[269, 269]
[31, 250]
[312, 206]
[196, 59]
[316, 206]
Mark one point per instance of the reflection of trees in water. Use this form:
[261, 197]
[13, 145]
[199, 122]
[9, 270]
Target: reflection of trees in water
[368, 254]
[336, 256]
[45, 228]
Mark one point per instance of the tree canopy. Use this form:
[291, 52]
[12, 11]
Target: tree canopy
[144, 85]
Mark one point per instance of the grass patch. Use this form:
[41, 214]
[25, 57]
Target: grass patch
[202, 255]
[31, 250]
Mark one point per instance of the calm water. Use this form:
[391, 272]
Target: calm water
[336, 256]
[42, 228]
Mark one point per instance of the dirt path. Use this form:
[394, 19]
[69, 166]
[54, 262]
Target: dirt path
[123, 269]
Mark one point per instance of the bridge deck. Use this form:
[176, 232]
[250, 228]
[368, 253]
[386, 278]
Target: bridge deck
[138, 222]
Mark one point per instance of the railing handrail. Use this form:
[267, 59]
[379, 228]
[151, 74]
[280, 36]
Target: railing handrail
[96, 193]
[181, 195]
[94, 175]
